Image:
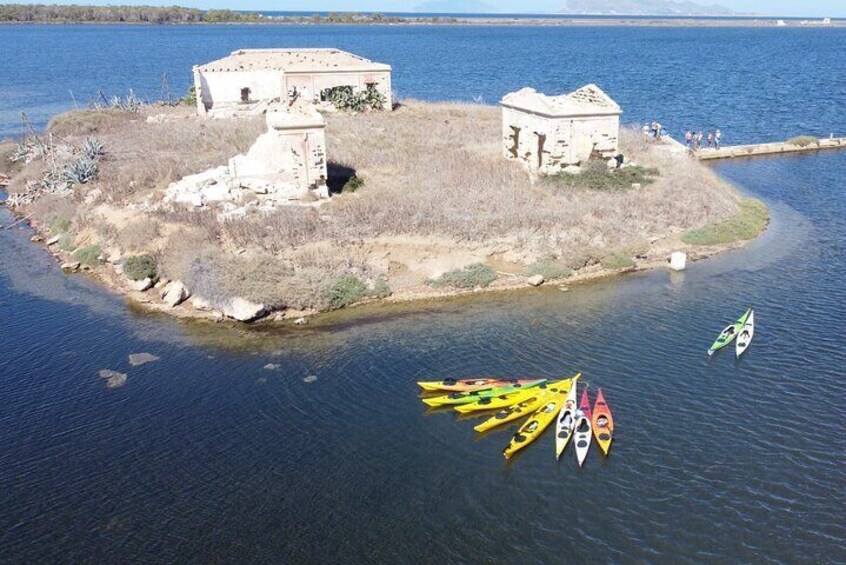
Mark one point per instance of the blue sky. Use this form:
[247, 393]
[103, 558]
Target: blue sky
[805, 8]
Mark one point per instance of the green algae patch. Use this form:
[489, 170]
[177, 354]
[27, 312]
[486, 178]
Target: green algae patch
[748, 223]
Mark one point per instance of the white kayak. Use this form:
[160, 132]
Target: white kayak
[566, 421]
[582, 432]
[744, 338]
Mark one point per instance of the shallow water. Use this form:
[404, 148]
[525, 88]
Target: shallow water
[206, 456]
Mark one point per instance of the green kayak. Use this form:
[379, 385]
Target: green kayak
[728, 334]
[476, 395]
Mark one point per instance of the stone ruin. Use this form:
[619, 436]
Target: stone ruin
[286, 165]
[551, 134]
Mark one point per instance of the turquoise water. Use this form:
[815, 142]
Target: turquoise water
[208, 456]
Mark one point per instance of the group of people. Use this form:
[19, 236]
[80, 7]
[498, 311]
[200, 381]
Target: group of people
[694, 141]
[654, 130]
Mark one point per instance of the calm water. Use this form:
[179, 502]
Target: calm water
[205, 456]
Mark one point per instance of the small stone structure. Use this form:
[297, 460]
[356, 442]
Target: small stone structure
[287, 164]
[550, 133]
[250, 79]
[292, 153]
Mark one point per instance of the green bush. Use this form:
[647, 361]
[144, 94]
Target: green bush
[596, 175]
[749, 221]
[65, 242]
[615, 262]
[190, 99]
[380, 289]
[344, 98]
[549, 269]
[140, 267]
[472, 276]
[59, 225]
[345, 290]
[89, 255]
[803, 140]
[354, 183]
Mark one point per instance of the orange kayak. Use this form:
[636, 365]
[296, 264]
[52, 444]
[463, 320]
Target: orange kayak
[469, 385]
[602, 423]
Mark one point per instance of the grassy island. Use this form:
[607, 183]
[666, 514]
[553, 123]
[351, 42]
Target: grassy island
[423, 205]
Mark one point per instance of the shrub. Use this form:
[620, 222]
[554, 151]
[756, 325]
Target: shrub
[65, 242]
[346, 290]
[190, 98]
[343, 98]
[472, 276]
[140, 267]
[750, 221]
[803, 140]
[615, 262]
[596, 175]
[89, 255]
[354, 183]
[549, 269]
[380, 289]
[59, 224]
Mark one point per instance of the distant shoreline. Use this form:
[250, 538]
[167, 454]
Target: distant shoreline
[480, 22]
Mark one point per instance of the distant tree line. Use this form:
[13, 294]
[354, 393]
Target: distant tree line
[35, 13]
[40, 13]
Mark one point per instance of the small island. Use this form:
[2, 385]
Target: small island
[326, 196]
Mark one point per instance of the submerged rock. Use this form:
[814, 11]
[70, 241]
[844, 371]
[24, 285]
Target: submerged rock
[271, 366]
[137, 359]
[310, 379]
[113, 378]
[70, 266]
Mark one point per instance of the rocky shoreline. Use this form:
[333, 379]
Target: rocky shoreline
[175, 299]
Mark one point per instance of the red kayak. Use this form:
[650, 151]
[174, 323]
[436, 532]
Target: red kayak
[602, 423]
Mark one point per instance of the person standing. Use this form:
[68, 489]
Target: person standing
[717, 138]
[710, 139]
[688, 139]
[699, 139]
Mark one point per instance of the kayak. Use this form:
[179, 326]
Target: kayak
[505, 400]
[566, 420]
[524, 407]
[728, 334]
[582, 430]
[602, 423]
[537, 423]
[744, 338]
[468, 397]
[468, 385]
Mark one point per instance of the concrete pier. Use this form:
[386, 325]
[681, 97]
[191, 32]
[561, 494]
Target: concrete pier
[735, 151]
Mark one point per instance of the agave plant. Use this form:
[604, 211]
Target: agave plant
[92, 148]
[80, 171]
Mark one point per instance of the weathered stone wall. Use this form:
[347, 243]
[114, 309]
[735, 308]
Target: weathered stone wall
[548, 145]
[223, 89]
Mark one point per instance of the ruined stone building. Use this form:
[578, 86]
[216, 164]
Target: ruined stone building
[254, 78]
[551, 133]
[289, 160]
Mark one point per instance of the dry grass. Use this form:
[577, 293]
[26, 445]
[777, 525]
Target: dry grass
[431, 170]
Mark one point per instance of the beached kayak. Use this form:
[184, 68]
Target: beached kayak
[602, 423]
[582, 431]
[505, 400]
[566, 420]
[728, 334]
[537, 423]
[524, 407]
[468, 397]
[468, 385]
[744, 338]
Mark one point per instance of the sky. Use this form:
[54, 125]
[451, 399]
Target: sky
[801, 8]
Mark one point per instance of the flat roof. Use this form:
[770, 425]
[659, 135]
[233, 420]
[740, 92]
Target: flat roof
[292, 60]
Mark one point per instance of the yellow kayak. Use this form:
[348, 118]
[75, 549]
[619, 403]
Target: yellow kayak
[505, 400]
[476, 395]
[537, 423]
[526, 406]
